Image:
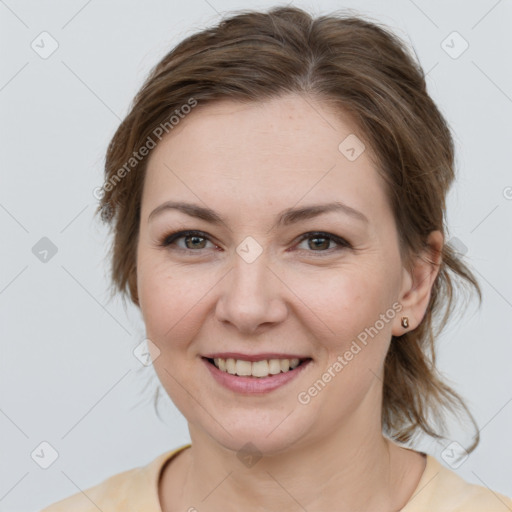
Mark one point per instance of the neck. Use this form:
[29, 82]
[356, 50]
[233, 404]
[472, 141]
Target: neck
[354, 468]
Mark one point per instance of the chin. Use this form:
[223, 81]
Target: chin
[271, 435]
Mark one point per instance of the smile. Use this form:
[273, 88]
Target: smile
[262, 368]
[260, 375]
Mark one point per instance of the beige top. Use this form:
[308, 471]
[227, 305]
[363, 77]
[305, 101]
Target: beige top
[136, 490]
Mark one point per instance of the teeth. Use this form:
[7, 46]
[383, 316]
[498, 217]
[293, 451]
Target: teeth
[262, 368]
[243, 367]
[230, 366]
[259, 369]
[274, 367]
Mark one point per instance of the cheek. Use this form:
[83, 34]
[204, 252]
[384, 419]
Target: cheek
[169, 302]
[344, 301]
[353, 338]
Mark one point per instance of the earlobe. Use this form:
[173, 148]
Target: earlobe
[417, 285]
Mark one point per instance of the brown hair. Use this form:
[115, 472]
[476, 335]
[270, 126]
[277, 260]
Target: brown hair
[363, 70]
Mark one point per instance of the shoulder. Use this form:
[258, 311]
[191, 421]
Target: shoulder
[129, 490]
[443, 490]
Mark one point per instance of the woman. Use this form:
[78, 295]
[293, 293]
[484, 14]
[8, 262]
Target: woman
[277, 198]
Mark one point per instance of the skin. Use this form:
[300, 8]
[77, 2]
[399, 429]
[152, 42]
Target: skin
[248, 162]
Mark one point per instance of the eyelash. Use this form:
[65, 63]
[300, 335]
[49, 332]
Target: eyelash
[171, 238]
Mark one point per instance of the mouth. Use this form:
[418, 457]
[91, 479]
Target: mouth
[258, 369]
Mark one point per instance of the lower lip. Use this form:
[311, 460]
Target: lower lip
[254, 385]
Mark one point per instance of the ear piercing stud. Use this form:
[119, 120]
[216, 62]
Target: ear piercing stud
[405, 321]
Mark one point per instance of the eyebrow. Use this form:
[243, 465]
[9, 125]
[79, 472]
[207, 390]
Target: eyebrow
[285, 218]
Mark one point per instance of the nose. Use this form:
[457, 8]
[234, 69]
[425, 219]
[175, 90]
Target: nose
[252, 296]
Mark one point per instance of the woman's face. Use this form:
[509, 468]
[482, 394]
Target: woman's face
[259, 284]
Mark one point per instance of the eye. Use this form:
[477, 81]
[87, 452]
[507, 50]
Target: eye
[194, 240]
[321, 241]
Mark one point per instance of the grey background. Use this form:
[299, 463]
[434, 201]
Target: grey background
[68, 375]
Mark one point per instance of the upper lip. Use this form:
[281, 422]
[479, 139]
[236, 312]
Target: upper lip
[254, 357]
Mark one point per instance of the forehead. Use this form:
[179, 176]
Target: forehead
[287, 129]
[274, 152]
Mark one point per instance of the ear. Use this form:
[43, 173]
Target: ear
[417, 284]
